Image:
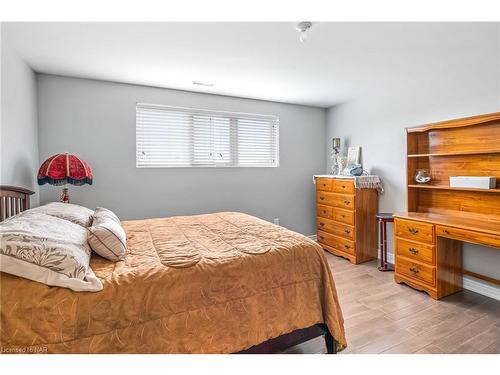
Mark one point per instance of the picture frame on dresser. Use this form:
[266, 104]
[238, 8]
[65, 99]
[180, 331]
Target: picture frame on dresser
[353, 155]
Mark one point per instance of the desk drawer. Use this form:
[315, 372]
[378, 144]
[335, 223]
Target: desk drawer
[415, 251]
[343, 186]
[338, 243]
[416, 271]
[324, 211]
[324, 184]
[335, 228]
[414, 230]
[468, 236]
[343, 216]
[335, 200]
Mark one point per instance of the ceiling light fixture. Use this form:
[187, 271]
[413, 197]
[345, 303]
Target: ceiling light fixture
[199, 83]
[302, 28]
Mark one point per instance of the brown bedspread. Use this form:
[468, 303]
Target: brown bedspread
[216, 283]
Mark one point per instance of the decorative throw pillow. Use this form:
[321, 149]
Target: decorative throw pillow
[47, 249]
[76, 214]
[102, 212]
[106, 235]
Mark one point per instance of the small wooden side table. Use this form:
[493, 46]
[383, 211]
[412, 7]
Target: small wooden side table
[383, 219]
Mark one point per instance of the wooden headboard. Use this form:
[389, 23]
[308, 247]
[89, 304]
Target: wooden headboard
[13, 200]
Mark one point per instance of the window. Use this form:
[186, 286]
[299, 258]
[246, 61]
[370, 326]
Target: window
[183, 137]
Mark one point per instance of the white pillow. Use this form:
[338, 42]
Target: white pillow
[76, 214]
[106, 235]
[104, 212]
[47, 249]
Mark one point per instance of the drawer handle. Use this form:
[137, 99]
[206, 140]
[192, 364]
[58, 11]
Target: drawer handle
[414, 270]
[321, 237]
[347, 246]
[322, 224]
[347, 231]
[343, 186]
[324, 185]
[324, 211]
[321, 198]
[342, 215]
[413, 230]
[446, 231]
[347, 202]
[413, 250]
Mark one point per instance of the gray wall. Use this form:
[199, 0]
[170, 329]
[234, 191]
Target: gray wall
[19, 134]
[96, 120]
[377, 122]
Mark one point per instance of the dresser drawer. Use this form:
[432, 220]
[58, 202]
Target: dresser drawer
[343, 216]
[468, 236]
[416, 271]
[335, 228]
[324, 211]
[343, 186]
[338, 243]
[415, 251]
[323, 198]
[324, 184]
[414, 230]
[335, 200]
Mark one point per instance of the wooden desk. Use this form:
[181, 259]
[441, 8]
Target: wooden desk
[428, 248]
[428, 238]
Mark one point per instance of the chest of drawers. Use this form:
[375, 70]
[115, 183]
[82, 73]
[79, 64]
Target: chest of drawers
[345, 218]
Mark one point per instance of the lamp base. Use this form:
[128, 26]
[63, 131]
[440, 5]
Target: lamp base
[65, 195]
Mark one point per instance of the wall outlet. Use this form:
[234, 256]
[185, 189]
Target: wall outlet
[276, 220]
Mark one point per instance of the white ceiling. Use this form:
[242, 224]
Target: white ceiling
[254, 60]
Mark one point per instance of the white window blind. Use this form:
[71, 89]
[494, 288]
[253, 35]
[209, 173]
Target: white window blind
[184, 137]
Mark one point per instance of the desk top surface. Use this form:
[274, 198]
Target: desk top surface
[474, 222]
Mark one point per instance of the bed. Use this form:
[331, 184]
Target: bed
[217, 283]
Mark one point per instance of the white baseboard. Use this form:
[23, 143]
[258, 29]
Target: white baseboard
[481, 287]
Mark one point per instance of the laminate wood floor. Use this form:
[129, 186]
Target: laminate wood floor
[384, 317]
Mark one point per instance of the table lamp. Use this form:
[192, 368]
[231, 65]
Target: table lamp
[62, 169]
[335, 169]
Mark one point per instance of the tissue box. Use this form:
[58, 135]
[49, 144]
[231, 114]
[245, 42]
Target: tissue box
[477, 182]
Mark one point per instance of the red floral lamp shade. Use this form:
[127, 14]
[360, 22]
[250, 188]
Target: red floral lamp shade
[62, 169]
